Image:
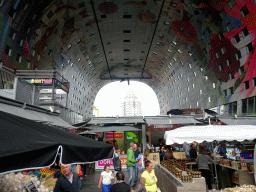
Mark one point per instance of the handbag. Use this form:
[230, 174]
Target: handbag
[80, 171]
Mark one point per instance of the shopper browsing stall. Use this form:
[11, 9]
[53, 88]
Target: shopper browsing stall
[150, 177]
[202, 161]
[193, 152]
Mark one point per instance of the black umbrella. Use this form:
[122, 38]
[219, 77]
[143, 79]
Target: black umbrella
[175, 112]
[27, 144]
[211, 112]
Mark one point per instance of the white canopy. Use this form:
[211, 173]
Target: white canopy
[210, 133]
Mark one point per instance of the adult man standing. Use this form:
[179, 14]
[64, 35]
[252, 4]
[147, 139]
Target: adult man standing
[68, 182]
[136, 155]
[130, 163]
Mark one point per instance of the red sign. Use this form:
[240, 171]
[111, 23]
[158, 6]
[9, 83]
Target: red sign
[117, 136]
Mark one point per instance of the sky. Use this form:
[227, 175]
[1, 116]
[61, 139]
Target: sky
[109, 98]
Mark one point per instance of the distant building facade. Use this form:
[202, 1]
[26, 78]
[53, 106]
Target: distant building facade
[131, 105]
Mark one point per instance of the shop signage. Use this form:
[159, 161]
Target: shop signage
[59, 84]
[163, 126]
[117, 135]
[102, 163]
[40, 81]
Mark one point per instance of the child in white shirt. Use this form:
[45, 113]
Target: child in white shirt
[105, 179]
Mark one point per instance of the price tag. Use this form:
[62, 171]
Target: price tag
[31, 187]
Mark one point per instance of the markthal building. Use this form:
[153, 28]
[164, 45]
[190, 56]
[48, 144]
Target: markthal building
[57, 54]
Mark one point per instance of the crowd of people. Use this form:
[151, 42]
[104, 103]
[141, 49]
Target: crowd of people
[70, 180]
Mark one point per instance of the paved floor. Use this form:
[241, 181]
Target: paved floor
[90, 183]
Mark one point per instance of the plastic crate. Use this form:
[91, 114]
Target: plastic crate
[247, 155]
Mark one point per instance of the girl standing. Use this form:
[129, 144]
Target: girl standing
[105, 179]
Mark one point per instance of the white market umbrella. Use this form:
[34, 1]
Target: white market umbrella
[210, 133]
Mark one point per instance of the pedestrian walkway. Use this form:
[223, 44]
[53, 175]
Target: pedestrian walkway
[90, 183]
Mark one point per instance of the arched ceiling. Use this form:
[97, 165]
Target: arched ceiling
[186, 50]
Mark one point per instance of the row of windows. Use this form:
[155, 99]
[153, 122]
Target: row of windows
[246, 85]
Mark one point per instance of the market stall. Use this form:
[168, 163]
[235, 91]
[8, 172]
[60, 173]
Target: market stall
[30, 148]
[210, 133]
[123, 135]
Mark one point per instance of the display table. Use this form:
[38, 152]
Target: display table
[242, 177]
[169, 182]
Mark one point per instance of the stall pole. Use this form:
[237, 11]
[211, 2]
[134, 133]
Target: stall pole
[214, 154]
[144, 139]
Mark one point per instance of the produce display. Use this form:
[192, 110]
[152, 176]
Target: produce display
[176, 167]
[237, 164]
[17, 182]
[242, 188]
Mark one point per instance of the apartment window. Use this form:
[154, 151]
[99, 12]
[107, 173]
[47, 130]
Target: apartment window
[229, 27]
[166, 23]
[8, 50]
[241, 70]
[38, 56]
[217, 55]
[50, 14]
[231, 90]
[221, 36]
[225, 92]
[244, 11]
[249, 48]
[228, 61]
[223, 50]
[245, 32]
[231, 75]
[127, 31]
[210, 45]
[221, 67]
[33, 52]
[19, 58]
[237, 38]
[238, 55]
[231, 3]
[223, 14]
[28, 64]
[246, 85]
[254, 82]
[1, 2]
